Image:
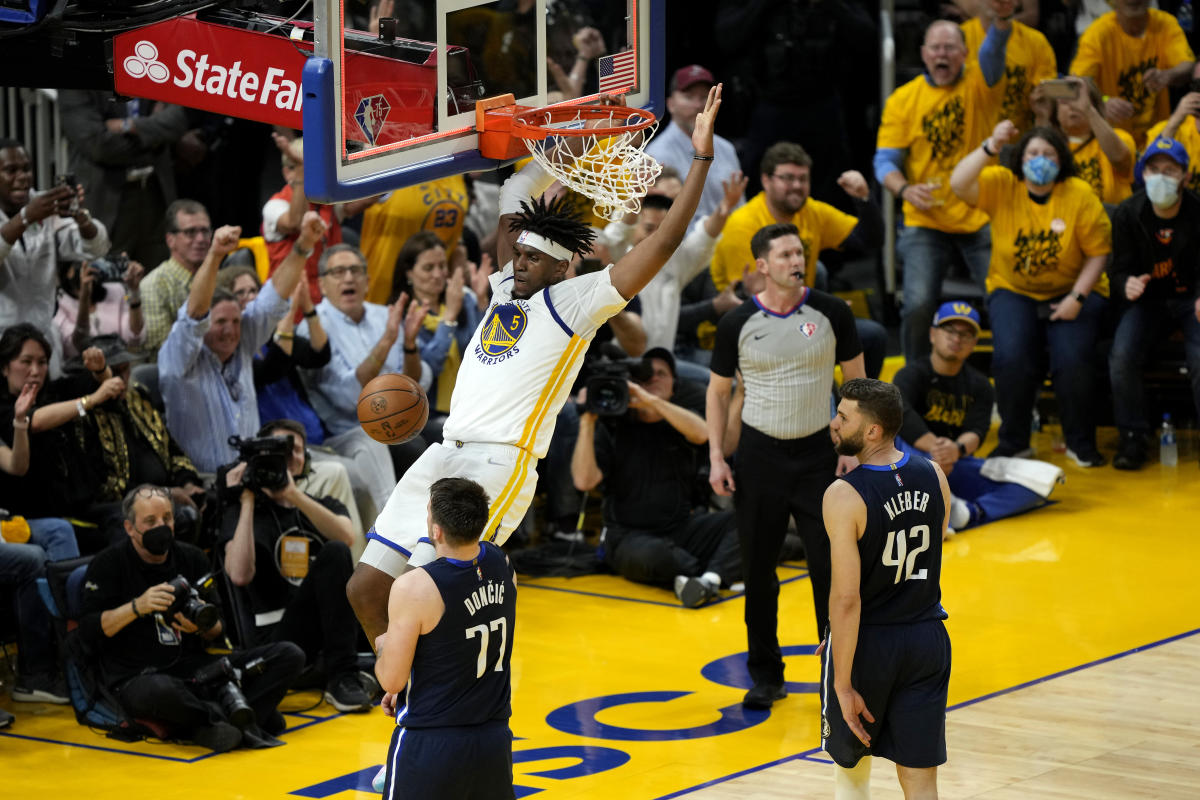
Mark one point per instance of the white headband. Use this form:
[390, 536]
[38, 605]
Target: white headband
[550, 248]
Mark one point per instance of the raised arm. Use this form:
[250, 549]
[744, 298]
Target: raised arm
[965, 178]
[224, 242]
[312, 228]
[639, 265]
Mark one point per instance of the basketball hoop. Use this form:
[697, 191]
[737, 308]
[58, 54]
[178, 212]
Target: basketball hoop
[609, 164]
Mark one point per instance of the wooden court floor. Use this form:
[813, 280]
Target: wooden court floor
[1075, 633]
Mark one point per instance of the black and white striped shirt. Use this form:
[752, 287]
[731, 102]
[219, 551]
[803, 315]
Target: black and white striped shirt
[787, 360]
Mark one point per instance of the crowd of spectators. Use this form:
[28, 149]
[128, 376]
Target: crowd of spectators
[139, 335]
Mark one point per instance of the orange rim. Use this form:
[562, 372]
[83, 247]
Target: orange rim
[536, 123]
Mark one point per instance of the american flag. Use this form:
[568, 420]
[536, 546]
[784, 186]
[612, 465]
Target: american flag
[617, 71]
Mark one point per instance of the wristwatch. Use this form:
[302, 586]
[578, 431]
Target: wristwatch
[1080, 296]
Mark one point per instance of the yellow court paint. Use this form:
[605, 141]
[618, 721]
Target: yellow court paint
[612, 698]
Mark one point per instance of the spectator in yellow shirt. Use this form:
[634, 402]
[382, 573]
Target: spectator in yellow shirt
[928, 125]
[1103, 155]
[1133, 53]
[1184, 127]
[1046, 282]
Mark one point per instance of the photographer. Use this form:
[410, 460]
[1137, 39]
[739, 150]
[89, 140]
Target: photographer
[648, 460]
[144, 622]
[292, 552]
[97, 298]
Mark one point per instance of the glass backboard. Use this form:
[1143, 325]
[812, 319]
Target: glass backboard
[381, 112]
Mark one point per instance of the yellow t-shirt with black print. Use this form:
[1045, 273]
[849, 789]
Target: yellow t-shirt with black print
[821, 226]
[1189, 136]
[439, 206]
[1117, 62]
[1094, 168]
[1039, 248]
[937, 126]
[1028, 60]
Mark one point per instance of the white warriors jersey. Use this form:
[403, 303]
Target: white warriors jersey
[523, 359]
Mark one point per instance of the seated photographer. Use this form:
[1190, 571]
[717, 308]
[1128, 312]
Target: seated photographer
[649, 463]
[292, 552]
[96, 298]
[151, 629]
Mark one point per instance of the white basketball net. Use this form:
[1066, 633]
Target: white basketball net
[612, 170]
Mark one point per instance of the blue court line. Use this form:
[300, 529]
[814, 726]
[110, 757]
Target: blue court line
[807, 753]
[176, 759]
[312, 721]
[725, 598]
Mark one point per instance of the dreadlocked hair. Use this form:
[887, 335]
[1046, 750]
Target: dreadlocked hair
[559, 221]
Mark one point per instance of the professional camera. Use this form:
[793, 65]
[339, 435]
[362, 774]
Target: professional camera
[224, 682]
[607, 385]
[266, 460]
[110, 270]
[189, 602]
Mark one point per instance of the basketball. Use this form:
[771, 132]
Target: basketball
[392, 408]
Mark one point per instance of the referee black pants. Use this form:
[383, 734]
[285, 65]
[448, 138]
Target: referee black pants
[775, 478]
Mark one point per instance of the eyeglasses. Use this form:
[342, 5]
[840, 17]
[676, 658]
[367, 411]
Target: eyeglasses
[240, 293]
[192, 233]
[963, 334]
[337, 273]
[785, 177]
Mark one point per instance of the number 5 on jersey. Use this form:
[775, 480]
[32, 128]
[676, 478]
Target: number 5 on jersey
[482, 632]
[894, 555]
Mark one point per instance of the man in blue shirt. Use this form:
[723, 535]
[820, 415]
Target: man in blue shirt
[205, 363]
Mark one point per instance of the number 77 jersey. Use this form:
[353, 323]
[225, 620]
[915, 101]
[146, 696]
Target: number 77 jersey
[460, 671]
[901, 547]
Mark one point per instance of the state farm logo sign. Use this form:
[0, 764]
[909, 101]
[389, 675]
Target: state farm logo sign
[214, 68]
[144, 62]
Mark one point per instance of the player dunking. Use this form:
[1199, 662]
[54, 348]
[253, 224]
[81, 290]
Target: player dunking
[519, 366]
[886, 669]
[450, 639]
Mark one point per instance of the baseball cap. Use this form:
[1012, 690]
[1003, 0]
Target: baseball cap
[956, 309]
[115, 353]
[691, 75]
[1162, 146]
[662, 353]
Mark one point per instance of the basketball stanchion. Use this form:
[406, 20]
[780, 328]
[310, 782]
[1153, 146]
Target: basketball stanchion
[605, 157]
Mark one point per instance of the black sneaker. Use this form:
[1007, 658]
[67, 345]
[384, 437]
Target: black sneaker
[1131, 452]
[763, 695]
[693, 592]
[41, 688]
[220, 737]
[346, 693]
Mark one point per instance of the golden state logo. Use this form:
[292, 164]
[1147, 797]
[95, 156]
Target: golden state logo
[500, 333]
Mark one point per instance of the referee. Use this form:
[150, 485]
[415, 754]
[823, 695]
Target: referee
[785, 341]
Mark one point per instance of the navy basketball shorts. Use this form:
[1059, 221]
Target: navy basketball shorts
[472, 762]
[903, 674]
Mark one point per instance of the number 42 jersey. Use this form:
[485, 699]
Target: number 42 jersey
[901, 548]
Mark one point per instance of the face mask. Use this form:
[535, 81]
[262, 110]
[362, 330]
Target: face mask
[157, 540]
[1040, 170]
[1162, 190]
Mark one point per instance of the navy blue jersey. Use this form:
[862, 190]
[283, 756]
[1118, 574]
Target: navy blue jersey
[460, 672]
[901, 548]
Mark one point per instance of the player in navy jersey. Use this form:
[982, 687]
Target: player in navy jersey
[450, 639]
[886, 666]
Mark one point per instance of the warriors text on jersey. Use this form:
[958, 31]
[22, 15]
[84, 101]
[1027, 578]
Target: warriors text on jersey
[523, 358]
